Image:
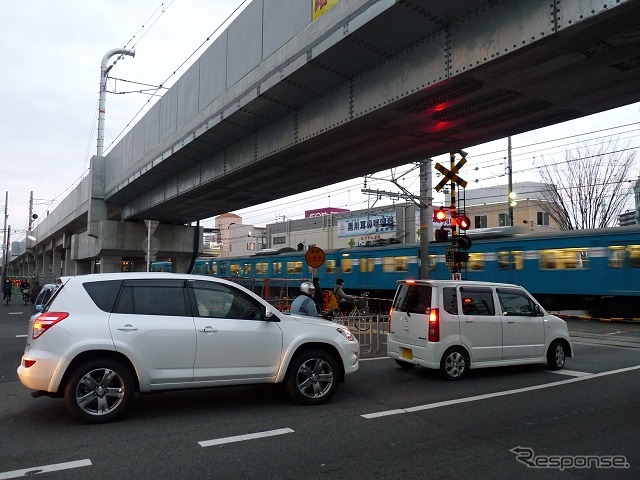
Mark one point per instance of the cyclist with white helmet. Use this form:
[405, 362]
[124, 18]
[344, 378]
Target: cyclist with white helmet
[304, 303]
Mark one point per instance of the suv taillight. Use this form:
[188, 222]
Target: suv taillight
[434, 325]
[45, 321]
[391, 310]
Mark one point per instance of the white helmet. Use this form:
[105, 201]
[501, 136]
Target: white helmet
[308, 288]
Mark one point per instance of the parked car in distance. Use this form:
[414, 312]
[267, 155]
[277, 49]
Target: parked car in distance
[44, 296]
[104, 337]
[455, 326]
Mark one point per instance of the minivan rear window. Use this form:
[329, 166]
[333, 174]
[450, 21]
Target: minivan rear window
[477, 301]
[450, 300]
[413, 298]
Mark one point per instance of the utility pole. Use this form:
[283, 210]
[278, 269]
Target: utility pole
[5, 239]
[426, 219]
[30, 212]
[510, 195]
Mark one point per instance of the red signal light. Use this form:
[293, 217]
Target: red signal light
[463, 222]
[440, 215]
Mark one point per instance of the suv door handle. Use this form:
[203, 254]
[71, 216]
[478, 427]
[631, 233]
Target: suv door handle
[128, 328]
[207, 329]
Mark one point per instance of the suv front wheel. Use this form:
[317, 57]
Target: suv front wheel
[313, 377]
[99, 391]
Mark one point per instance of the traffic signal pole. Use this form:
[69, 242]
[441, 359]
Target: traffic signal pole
[454, 243]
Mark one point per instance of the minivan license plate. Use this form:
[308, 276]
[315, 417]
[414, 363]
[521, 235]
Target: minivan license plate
[406, 353]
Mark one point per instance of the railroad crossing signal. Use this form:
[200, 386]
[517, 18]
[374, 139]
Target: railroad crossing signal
[451, 174]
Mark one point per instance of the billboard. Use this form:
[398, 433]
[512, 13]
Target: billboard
[321, 6]
[319, 212]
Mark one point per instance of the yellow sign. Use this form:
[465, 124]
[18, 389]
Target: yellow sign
[314, 257]
[321, 6]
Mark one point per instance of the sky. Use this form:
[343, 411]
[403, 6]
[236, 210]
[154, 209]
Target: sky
[49, 91]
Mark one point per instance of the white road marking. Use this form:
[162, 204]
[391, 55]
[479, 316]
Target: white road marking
[242, 438]
[21, 336]
[447, 403]
[15, 313]
[571, 373]
[44, 469]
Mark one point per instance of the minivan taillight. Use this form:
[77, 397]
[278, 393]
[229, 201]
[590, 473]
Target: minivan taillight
[391, 310]
[45, 321]
[434, 325]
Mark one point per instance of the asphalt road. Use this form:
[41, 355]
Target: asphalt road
[384, 423]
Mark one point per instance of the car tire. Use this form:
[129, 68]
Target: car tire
[405, 365]
[556, 356]
[313, 377]
[454, 364]
[99, 391]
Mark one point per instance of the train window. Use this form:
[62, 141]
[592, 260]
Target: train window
[262, 268]
[214, 268]
[504, 261]
[277, 268]
[395, 264]
[246, 269]
[234, 269]
[433, 262]
[634, 255]
[346, 265]
[510, 260]
[564, 259]
[616, 257]
[223, 269]
[366, 264]
[476, 261]
[294, 267]
[518, 259]
[330, 266]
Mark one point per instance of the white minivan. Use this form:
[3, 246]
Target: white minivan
[457, 325]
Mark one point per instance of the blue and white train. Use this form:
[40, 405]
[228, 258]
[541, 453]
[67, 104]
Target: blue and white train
[577, 269]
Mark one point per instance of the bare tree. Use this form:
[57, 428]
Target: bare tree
[590, 188]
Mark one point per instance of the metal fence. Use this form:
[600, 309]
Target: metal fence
[370, 330]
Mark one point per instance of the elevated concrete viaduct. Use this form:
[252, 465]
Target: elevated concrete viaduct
[284, 101]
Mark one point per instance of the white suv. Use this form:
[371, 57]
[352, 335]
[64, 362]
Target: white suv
[457, 325]
[103, 337]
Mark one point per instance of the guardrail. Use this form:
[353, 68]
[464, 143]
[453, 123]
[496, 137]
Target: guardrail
[370, 330]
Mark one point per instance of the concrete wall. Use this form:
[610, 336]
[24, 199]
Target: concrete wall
[259, 31]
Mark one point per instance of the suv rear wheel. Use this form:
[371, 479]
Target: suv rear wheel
[313, 377]
[99, 391]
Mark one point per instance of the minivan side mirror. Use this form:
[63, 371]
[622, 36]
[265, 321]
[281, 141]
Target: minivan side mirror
[536, 310]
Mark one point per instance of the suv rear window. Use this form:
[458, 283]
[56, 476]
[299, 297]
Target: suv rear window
[103, 293]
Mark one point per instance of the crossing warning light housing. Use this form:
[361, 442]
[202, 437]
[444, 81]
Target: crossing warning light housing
[440, 215]
[463, 222]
